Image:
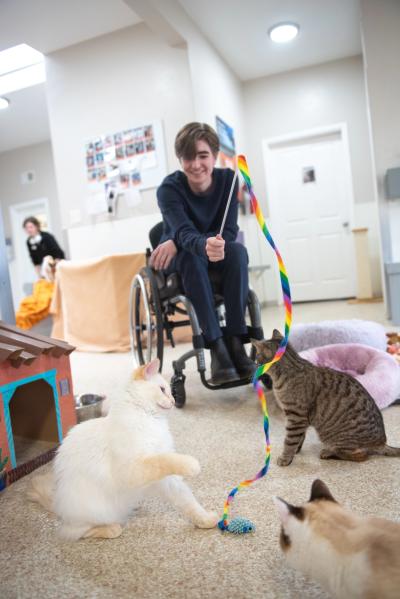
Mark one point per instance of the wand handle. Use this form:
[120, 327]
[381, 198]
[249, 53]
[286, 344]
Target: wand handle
[228, 202]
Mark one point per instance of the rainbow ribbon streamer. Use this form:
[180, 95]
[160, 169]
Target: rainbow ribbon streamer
[245, 525]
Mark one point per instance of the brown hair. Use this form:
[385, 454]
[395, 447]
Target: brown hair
[185, 141]
[33, 220]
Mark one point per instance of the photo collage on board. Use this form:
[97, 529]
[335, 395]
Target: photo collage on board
[121, 157]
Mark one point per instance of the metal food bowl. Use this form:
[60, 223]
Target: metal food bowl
[88, 405]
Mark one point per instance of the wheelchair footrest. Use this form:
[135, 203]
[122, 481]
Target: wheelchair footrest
[209, 385]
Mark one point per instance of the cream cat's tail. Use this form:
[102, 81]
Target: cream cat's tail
[41, 490]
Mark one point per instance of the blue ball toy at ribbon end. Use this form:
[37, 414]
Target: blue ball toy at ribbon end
[240, 526]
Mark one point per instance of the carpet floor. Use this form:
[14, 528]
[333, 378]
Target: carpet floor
[159, 554]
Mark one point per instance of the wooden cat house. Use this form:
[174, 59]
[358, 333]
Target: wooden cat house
[37, 406]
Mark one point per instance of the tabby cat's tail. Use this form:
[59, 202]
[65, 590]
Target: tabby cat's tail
[41, 490]
[387, 450]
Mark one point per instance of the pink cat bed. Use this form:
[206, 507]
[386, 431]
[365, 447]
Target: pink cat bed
[315, 334]
[376, 370]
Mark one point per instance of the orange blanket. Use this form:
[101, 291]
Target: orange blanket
[35, 307]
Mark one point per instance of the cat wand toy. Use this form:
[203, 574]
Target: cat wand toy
[242, 525]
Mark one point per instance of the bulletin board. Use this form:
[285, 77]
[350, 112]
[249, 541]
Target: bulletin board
[129, 158]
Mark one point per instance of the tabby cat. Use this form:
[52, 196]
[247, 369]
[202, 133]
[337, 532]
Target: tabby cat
[352, 557]
[343, 413]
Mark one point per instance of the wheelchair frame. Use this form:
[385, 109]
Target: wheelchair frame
[149, 309]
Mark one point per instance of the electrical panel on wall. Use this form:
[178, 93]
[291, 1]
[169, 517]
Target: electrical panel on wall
[27, 177]
[392, 182]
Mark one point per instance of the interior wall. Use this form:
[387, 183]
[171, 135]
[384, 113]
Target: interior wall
[216, 89]
[309, 98]
[381, 48]
[37, 158]
[7, 312]
[133, 75]
[113, 82]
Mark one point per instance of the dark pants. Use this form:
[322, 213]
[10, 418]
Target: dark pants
[233, 273]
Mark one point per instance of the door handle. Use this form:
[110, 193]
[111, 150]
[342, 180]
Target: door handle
[345, 224]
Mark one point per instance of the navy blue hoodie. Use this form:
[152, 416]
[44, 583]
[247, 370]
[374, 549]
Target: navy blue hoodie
[190, 218]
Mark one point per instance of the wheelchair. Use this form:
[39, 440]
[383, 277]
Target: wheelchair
[155, 298]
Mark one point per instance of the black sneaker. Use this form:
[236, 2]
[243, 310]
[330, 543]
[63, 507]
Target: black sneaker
[222, 369]
[243, 364]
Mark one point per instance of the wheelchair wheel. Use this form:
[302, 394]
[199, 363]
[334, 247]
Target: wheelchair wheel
[146, 320]
[178, 390]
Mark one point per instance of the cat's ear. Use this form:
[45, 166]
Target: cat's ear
[319, 490]
[286, 509]
[282, 509]
[276, 334]
[151, 369]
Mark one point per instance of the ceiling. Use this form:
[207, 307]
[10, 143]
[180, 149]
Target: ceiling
[329, 29]
[48, 25]
[238, 29]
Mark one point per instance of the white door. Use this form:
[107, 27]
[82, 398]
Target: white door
[22, 270]
[310, 198]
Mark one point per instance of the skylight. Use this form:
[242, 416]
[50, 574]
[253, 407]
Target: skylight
[20, 66]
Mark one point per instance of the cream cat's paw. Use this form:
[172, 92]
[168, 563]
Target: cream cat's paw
[208, 520]
[284, 460]
[189, 466]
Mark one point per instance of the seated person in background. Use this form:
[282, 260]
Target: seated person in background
[192, 203]
[43, 247]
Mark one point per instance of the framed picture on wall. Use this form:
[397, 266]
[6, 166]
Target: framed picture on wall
[226, 136]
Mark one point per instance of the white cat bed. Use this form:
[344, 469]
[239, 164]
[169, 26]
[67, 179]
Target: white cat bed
[326, 332]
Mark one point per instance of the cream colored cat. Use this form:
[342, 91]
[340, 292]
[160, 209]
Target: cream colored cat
[352, 557]
[106, 466]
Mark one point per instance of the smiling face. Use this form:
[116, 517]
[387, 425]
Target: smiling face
[199, 169]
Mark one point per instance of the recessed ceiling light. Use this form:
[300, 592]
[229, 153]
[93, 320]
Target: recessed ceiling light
[283, 32]
[4, 103]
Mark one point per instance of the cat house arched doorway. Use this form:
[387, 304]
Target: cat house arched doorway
[33, 420]
[32, 417]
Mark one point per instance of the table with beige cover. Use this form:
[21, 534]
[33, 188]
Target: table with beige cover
[90, 306]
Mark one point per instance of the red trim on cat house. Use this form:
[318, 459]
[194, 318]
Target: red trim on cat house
[36, 393]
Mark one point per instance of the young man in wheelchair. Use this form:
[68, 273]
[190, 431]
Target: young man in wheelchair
[192, 203]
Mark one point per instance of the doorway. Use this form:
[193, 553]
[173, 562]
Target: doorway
[310, 194]
[22, 272]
